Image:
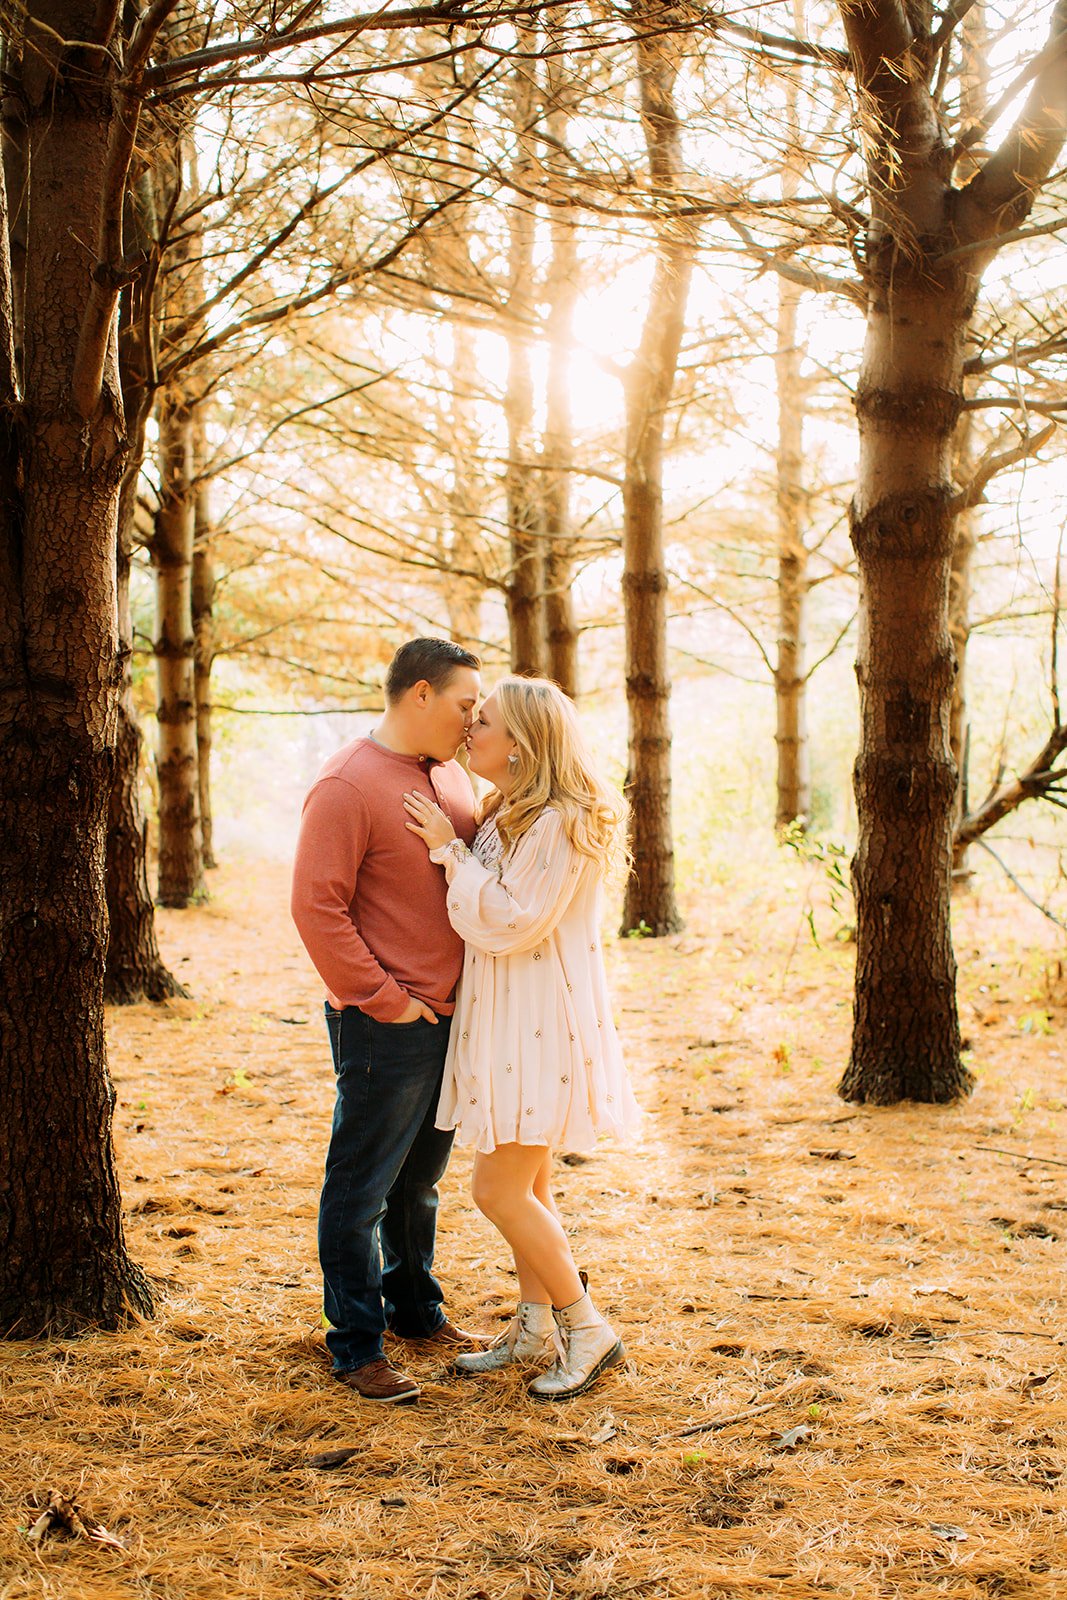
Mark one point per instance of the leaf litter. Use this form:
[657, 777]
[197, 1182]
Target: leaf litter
[918, 1338]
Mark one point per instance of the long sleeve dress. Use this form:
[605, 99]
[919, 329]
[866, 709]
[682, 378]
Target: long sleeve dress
[533, 1056]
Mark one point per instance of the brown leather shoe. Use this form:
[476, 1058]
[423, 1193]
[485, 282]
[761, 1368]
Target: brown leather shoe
[449, 1338]
[381, 1381]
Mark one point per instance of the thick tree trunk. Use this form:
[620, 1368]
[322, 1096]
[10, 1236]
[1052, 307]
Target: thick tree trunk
[525, 587]
[63, 1261]
[793, 787]
[181, 859]
[926, 248]
[649, 903]
[906, 1040]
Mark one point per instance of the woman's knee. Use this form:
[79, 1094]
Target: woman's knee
[500, 1185]
[487, 1190]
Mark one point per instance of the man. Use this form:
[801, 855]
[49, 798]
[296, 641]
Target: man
[370, 908]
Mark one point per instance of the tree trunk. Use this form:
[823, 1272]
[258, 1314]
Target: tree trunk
[181, 859]
[906, 1038]
[203, 611]
[63, 1261]
[959, 627]
[181, 853]
[790, 682]
[649, 903]
[793, 786]
[135, 969]
[927, 245]
[446, 247]
[561, 293]
[525, 586]
[17, 178]
[974, 103]
[463, 592]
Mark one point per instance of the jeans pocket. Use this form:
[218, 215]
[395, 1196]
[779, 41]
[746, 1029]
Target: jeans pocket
[333, 1028]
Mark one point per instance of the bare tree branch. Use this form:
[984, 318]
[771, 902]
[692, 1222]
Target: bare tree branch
[800, 273]
[994, 462]
[1001, 195]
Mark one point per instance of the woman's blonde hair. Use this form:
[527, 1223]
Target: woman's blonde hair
[554, 768]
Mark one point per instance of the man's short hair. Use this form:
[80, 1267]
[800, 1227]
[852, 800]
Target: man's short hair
[432, 660]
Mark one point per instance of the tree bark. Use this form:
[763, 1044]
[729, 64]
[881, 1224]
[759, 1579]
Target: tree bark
[17, 181]
[974, 102]
[203, 609]
[959, 627]
[63, 1260]
[135, 969]
[650, 905]
[793, 787]
[921, 295]
[525, 587]
[906, 1039]
[181, 859]
[203, 584]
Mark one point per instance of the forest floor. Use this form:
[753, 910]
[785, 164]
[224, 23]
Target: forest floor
[845, 1326]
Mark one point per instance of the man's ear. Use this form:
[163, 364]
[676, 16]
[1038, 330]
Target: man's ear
[422, 691]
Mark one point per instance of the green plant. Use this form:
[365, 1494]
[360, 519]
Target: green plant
[831, 860]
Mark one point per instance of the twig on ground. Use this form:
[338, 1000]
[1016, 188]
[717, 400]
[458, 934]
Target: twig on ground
[718, 1422]
[1016, 1155]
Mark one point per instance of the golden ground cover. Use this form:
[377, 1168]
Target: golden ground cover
[861, 1311]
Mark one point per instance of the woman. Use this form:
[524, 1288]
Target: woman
[533, 1060]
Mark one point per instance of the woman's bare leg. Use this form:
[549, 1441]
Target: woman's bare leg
[512, 1187]
[542, 1186]
[530, 1286]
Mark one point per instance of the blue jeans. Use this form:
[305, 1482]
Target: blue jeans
[378, 1212]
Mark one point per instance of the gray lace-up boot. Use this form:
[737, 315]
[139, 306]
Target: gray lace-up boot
[590, 1346]
[530, 1337]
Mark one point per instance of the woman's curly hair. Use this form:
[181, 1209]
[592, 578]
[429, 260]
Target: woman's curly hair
[554, 769]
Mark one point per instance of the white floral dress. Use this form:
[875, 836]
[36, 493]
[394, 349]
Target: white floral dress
[533, 1056]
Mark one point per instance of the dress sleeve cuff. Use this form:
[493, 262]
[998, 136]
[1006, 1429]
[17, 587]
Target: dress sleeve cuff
[454, 848]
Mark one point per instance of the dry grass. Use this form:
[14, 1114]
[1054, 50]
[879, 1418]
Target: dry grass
[874, 1276]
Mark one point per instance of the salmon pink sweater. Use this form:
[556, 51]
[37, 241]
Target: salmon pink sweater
[367, 900]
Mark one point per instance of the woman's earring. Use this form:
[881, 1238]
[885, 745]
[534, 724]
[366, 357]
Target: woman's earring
[513, 760]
